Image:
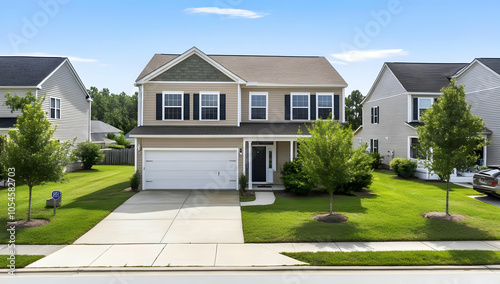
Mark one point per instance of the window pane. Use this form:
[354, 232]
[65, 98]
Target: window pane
[270, 166]
[172, 113]
[173, 100]
[58, 113]
[52, 102]
[209, 113]
[58, 103]
[324, 112]
[258, 100]
[424, 103]
[300, 100]
[300, 113]
[258, 113]
[209, 100]
[52, 113]
[324, 101]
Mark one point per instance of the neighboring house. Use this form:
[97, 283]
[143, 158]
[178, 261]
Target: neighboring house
[67, 102]
[206, 119]
[392, 109]
[100, 132]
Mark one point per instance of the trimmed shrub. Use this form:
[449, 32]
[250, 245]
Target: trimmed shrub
[135, 181]
[362, 175]
[122, 140]
[115, 146]
[294, 179]
[377, 160]
[243, 182]
[111, 136]
[404, 168]
[88, 153]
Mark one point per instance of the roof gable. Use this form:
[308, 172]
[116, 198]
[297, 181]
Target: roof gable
[492, 63]
[193, 68]
[26, 71]
[98, 126]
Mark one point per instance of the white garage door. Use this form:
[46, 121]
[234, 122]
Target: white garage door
[190, 169]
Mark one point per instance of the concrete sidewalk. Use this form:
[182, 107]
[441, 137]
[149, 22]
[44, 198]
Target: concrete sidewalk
[220, 255]
[261, 198]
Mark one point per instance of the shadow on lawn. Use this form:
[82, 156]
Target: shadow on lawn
[95, 200]
[452, 231]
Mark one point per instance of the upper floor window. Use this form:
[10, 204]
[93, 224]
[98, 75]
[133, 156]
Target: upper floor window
[173, 105]
[209, 106]
[300, 106]
[375, 114]
[55, 108]
[324, 103]
[258, 106]
[423, 105]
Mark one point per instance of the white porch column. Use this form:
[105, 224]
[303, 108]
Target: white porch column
[291, 150]
[250, 164]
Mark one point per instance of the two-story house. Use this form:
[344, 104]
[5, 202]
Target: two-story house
[206, 119]
[67, 102]
[394, 104]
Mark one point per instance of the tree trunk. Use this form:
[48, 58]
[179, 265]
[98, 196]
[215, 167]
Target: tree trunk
[331, 202]
[447, 195]
[29, 205]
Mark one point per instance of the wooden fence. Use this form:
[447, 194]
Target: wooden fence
[119, 156]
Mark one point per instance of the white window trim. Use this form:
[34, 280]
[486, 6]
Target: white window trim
[182, 105]
[317, 103]
[376, 119]
[418, 107]
[372, 149]
[308, 104]
[218, 105]
[55, 108]
[250, 94]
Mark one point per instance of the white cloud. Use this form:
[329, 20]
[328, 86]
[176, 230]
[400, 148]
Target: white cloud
[71, 58]
[233, 13]
[363, 55]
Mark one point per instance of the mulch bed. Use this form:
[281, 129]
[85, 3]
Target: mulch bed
[247, 193]
[442, 216]
[33, 223]
[330, 218]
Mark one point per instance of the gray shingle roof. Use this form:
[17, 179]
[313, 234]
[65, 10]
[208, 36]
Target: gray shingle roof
[26, 70]
[244, 129]
[98, 126]
[267, 69]
[424, 77]
[492, 63]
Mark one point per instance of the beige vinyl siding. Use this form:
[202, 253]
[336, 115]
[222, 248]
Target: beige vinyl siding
[482, 88]
[276, 101]
[151, 89]
[282, 156]
[5, 111]
[75, 109]
[391, 131]
[190, 143]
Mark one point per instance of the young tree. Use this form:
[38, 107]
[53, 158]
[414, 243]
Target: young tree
[30, 150]
[329, 158]
[89, 153]
[450, 135]
[354, 109]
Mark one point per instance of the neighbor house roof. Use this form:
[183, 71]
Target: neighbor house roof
[99, 130]
[492, 63]
[307, 70]
[258, 129]
[26, 71]
[424, 77]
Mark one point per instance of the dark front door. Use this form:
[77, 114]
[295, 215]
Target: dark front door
[258, 164]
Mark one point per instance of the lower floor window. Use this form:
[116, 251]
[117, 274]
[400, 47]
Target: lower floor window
[373, 145]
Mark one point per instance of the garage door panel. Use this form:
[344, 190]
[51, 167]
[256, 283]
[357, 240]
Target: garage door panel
[219, 165]
[191, 174]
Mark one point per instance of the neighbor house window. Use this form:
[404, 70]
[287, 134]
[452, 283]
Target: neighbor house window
[324, 103]
[423, 105]
[173, 105]
[373, 145]
[55, 108]
[300, 106]
[258, 106]
[209, 106]
[375, 114]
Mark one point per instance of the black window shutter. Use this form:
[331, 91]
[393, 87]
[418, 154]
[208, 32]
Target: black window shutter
[186, 106]
[415, 108]
[377, 109]
[313, 107]
[371, 145]
[435, 99]
[196, 106]
[159, 106]
[222, 107]
[373, 112]
[287, 107]
[336, 105]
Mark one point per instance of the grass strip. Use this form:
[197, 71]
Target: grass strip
[21, 260]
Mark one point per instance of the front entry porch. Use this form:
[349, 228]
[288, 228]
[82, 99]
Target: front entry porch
[263, 159]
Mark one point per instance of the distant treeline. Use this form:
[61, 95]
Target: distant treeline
[119, 110]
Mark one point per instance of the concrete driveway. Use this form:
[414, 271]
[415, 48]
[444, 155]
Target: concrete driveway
[175, 217]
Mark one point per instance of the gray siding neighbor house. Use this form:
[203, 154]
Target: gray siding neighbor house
[206, 119]
[403, 91]
[67, 102]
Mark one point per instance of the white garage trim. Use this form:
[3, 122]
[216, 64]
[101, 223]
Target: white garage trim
[145, 150]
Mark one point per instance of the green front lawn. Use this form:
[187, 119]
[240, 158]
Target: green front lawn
[21, 260]
[398, 258]
[87, 198]
[394, 213]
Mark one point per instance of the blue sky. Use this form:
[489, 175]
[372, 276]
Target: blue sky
[110, 42]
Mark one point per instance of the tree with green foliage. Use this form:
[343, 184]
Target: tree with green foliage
[450, 134]
[30, 149]
[328, 156]
[15, 102]
[354, 109]
[122, 140]
[88, 153]
[117, 110]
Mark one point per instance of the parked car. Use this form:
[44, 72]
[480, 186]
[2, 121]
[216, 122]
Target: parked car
[487, 181]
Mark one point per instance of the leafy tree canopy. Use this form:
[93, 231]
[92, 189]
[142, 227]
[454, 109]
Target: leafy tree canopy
[354, 109]
[119, 110]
